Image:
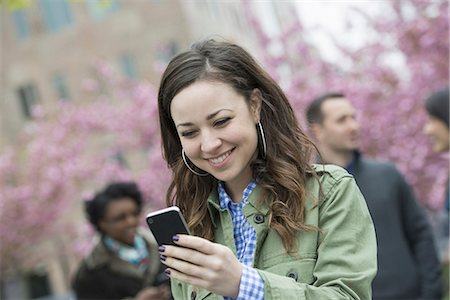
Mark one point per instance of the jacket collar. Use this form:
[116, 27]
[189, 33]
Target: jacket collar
[253, 204]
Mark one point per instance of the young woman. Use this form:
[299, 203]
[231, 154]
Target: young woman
[266, 223]
[124, 263]
[437, 129]
[437, 125]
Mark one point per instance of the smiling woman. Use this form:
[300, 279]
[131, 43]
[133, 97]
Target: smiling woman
[437, 129]
[124, 263]
[219, 137]
[437, 126]
[266, 223]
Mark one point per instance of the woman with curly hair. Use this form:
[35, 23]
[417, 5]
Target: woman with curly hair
[124, 264]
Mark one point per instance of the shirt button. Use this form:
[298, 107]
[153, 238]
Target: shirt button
[292, 275]
[193, 295]
[258, 218]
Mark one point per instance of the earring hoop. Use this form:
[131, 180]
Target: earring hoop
[183, 155]
[263, 139]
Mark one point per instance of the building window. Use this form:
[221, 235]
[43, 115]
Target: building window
[128, 66]
[28, 97]
[99, 9]
[57, 14]
[21, 24]
[60, 86]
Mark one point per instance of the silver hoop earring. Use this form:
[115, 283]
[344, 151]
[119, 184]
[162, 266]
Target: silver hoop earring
[263, 139]
[183, 155]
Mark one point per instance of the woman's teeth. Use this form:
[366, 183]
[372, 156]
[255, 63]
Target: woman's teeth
[220, 159]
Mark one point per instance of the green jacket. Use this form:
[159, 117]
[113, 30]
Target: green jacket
[337, 262]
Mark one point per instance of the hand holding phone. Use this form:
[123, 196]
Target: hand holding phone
[166, 223]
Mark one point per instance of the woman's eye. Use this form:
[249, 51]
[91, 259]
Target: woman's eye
[188, 133]
[221, 122]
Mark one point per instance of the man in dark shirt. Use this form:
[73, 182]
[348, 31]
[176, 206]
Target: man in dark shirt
[408, 265]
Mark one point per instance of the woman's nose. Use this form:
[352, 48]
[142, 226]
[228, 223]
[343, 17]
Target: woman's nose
[210, 142]
[132, 219]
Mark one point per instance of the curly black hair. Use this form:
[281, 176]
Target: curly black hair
[95, 208]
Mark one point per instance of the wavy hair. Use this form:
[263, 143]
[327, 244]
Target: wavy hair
[282, 173]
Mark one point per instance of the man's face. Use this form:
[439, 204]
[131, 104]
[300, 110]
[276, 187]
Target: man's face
[339, 131]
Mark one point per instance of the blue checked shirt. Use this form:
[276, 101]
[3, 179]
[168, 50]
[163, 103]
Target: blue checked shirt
[252, 285]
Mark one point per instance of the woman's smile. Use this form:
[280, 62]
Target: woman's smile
[220, 160]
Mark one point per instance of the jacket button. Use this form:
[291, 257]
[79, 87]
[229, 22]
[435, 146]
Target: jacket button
[258, 218]
[292, 275]
[193, 295]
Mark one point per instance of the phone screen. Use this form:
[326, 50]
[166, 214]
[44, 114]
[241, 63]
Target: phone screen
[166, 223]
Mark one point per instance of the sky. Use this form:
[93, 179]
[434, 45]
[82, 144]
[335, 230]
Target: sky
[337, 18]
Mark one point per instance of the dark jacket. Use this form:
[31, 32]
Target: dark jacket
[103, 275]
[408, 264]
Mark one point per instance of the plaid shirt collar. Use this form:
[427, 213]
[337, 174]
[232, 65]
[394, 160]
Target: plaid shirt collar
[225, 200]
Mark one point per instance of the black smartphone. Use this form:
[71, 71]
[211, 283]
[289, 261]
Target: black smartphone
[166, 223]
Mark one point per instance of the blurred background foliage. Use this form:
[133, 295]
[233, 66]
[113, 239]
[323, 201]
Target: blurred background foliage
[63, 152]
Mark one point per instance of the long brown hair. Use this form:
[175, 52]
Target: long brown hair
[282, 173]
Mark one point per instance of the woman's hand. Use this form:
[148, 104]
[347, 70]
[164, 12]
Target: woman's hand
[202, 263]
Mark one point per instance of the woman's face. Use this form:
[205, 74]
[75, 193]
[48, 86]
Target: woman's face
[217, 129]
[121, 220]
[438, 132]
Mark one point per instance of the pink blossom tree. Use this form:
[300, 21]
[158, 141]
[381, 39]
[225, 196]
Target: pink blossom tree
[390, 98]
[67, 154]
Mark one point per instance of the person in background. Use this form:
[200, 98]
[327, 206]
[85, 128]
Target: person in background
[266, 223]
[408, 265]
[437, 129]
[125, 262]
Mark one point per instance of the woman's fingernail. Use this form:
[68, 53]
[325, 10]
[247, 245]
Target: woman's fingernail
[167, 271]
[162, 257]
[176, 238]
[162, 248]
